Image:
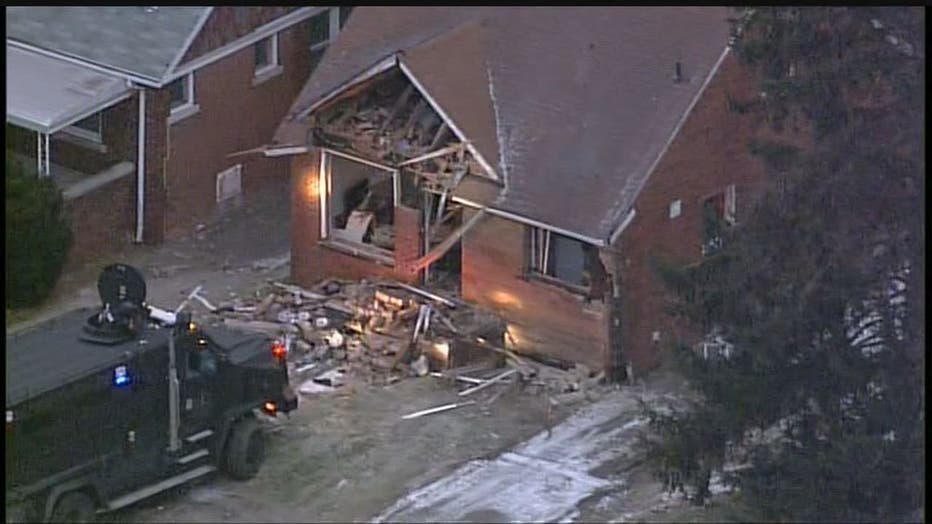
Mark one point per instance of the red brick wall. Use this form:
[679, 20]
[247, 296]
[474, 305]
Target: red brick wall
[119, 135]
[311, 261]
[228, 23]
[234, 116]
[544, 318]
[710, 152]
[157, 104]
[101, 221]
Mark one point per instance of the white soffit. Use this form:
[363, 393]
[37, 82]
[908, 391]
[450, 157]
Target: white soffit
[46, 94]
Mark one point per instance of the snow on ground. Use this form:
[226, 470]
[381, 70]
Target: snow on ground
[542, 479]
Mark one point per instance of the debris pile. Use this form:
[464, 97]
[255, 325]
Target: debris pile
[383, 331]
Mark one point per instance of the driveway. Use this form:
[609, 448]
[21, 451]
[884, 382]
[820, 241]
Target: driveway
[581, 470]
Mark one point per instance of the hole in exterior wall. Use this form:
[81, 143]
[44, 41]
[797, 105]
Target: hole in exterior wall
[676, 207]
[230, 183]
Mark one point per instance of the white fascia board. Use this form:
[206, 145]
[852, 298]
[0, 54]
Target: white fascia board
[279, 24]
[285, 151]
[26, 124]
[380, 66]
[446, 118]
[142, 80]
[624, 225]
[531, 222]
[190, 39]
[676, 131]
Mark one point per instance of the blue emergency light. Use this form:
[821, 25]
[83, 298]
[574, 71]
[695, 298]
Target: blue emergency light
[121, 376]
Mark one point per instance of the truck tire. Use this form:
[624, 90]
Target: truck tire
[246, 449]
[74, 506]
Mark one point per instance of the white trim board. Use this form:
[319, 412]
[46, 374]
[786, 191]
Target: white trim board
[262, 32]
[446, 118]
[530, 221]
[676, 132]
[190, 39]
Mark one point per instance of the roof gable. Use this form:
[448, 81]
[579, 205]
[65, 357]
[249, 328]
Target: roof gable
[574, 106]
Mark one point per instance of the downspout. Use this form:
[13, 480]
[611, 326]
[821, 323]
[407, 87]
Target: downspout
[141, 166]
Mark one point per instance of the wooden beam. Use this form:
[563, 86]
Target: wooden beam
[447, 243]
[399, 103]
[433, 154]
[440, 133]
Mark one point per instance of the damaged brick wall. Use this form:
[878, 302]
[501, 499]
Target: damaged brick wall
[312, 261]
[710, 152]
[543, 318]
[235, 115]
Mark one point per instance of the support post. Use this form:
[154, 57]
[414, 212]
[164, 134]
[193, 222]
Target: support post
[141, 167]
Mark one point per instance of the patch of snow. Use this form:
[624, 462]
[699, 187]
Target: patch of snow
[503, 151]
[543, 479]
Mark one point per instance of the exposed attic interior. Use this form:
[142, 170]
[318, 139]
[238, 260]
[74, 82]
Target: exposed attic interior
[386, 120]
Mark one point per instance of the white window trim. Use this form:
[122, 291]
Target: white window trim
[325, 193]
[274, 67]
[84, 134]
[334, 19]
[538, 268]
[189, 108]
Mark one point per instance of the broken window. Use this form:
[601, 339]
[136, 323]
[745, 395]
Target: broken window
[360, 204]
[719, 212]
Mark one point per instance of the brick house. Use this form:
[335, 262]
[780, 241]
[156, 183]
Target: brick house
[533, 160]
[135, 111]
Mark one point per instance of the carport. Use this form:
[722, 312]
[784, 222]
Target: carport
[45, 95]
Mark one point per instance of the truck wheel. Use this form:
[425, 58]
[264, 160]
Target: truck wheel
[75, 506]
[245, 450]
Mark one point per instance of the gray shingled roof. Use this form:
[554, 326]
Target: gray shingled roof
[571, 105]
[129, 39]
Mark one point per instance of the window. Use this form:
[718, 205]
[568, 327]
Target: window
[561, 258]
[719, 212]
[358, 205]
[266, 55]
[201, 362]
[676, 207]
[91, 128]
[320, 30]
[182, 93]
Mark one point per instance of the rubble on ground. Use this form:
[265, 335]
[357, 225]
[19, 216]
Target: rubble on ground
[381, 332]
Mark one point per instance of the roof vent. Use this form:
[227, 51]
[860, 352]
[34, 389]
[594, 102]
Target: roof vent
[678, 72]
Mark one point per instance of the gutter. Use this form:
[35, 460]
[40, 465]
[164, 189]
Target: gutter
[141, 167]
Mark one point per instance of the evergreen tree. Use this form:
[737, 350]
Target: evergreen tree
[820, 290]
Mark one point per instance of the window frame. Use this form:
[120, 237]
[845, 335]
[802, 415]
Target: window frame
[333, 27]
[274, 65]
[325, 185]
[539, 236]
[189, 106]
[86, 134]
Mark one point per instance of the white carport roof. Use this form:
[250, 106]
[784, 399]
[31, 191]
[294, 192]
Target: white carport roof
[46, 94]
